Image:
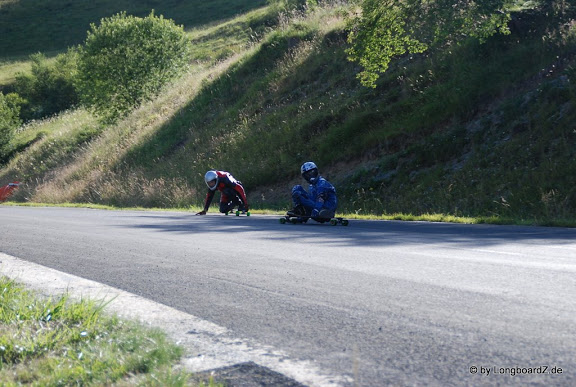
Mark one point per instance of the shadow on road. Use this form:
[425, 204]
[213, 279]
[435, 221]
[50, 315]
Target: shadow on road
[358, 233]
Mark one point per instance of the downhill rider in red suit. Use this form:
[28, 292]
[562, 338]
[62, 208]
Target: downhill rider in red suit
[6, 191]
[232, 192]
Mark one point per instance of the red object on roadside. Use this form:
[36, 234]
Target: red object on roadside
[7, 190]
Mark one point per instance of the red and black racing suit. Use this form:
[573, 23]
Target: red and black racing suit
[6, 191]
[232, 193]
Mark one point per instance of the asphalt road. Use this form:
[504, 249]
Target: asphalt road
[373, 304]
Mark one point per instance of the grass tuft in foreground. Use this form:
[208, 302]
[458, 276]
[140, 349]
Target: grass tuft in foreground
[56, 342]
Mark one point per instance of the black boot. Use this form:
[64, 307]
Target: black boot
[299, 210]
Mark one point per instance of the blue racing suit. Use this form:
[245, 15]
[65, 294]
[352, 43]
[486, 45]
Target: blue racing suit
[319, 201]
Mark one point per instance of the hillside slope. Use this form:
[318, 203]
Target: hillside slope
[55, 25]
[481, 130]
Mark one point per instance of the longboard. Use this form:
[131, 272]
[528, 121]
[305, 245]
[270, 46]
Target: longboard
[295, 219]
[238, 213]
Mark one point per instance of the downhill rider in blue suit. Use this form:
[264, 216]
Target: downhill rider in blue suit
[319, 202]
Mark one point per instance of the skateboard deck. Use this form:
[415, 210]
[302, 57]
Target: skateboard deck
[295, 219]
[238, 213]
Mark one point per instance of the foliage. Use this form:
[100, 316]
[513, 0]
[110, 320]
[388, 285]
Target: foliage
[49, 87]
[57, 342]
[9, 121]
[385, 29]
[126, 60]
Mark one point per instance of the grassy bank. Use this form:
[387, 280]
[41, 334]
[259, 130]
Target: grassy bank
[477, 131]
[57, 341]
[54, 25]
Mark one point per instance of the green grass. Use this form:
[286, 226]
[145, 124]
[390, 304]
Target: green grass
[57, 341]
[219, 41]
[55, 25]
[10, 67]
[52, 143]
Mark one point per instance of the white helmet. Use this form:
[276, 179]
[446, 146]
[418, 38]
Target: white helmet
[309, 172]
[209, 177]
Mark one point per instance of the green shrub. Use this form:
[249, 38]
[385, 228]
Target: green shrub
[9, 121]
[126, 60]
[49, 87]
[388, 29]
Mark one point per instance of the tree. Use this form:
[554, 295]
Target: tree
[126, 60]
[49, 87]
[9, 121]
[384, 29]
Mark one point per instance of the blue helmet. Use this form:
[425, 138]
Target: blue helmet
[309, 172]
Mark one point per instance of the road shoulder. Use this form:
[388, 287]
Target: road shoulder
[210, 349]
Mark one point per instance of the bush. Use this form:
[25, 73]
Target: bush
[387, 29]
[127, 60]
[49, 88]
[9, 121]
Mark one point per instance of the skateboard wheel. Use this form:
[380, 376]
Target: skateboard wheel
[247, 213]
[282, 220]
[344, 222]
[333, 222]
[226, 213]
[237, 213]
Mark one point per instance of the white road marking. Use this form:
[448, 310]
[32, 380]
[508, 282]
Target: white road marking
[208, 346]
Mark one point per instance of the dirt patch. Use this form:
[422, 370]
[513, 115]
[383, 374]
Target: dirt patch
[248, 374]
